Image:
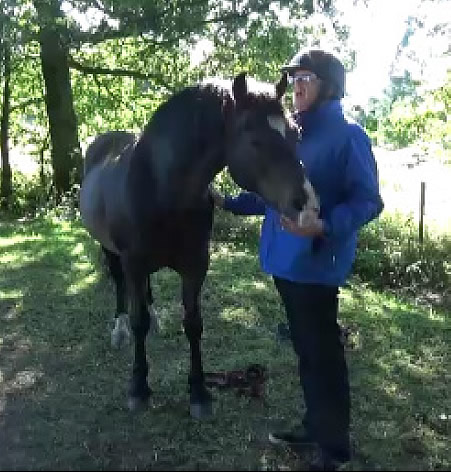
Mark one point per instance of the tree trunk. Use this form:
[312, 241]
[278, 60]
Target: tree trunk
[6, 178]
[65, 146]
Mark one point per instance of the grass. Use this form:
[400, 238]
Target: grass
[62, 389]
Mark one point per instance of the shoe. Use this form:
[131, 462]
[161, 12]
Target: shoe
[324, 461]
[296, 437]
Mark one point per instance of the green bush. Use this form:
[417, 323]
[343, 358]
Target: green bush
[27, 196]
[420, 119]
[31, 199]
[389, 254]
[241, 231]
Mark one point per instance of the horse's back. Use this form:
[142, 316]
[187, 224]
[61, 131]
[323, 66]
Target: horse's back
[105, 146]
[99, 194]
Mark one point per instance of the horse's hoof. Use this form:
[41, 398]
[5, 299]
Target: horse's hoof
[200, 411]
[137, 404]
[120, 335]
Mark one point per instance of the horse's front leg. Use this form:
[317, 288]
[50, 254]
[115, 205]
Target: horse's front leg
[139, 391]
[200, 397]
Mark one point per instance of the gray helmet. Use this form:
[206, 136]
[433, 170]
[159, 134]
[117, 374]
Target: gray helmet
[325, 65]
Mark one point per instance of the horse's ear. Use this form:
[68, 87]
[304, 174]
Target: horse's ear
[239, 87]
[281, 86]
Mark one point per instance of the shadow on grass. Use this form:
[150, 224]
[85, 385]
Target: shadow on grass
[62, 389]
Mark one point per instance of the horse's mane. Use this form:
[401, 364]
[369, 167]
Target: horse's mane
[261, 95]
[212, 94]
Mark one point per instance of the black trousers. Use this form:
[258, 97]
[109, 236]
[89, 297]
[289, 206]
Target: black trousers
[312, 311]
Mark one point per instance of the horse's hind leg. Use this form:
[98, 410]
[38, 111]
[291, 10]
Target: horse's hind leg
[135, 272]
[200, 397]
[120, 334]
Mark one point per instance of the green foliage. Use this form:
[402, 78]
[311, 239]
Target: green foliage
[242, 232]
[65, 388]
[32, 198]
[27, 197]
[390, 255]
[407, 117]
[264, 43]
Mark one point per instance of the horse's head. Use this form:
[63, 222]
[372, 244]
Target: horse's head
[261, 149]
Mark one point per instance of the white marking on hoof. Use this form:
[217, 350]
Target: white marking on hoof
[120, 335]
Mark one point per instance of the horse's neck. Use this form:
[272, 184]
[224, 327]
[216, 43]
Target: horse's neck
[179, 179]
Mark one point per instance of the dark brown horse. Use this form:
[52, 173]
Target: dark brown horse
[146, 200]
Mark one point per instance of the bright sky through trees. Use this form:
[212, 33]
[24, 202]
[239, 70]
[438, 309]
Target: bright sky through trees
[377, 28]
[376, 32]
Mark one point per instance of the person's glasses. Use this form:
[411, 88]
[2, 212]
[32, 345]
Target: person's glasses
[302, 77]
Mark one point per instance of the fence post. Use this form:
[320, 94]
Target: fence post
[422, 202]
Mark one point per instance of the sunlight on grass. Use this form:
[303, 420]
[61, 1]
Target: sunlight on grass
[78, 249]
[259, 285]
[434, 315]
[225, 250]
[16, 260]
[61, 225]
[399, 371]
[18, 239]
[83, 284]
[11, 293]
[242, 316]
[25, 379]
[382, 429]
[12, 312]
[11, 258]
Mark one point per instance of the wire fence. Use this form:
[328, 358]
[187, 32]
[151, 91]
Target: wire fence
[418, 189]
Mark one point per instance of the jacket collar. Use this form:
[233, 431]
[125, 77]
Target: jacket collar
[310, 119]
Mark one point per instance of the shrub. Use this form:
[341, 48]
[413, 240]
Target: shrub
[27, 195]
[389, 254]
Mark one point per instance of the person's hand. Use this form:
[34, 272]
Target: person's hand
[218, 199]
[310, 225]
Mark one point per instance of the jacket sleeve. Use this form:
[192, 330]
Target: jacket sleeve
[361, 201]
[246, 203]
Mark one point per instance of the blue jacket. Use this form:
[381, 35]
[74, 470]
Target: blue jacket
[340, 165]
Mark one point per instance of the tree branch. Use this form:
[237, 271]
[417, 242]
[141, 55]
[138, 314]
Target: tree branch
[118, 73]
[108, 91]
[143, 26]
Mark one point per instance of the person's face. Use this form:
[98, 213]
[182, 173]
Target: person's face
[306, 87]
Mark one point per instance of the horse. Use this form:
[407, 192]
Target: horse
[147, 201]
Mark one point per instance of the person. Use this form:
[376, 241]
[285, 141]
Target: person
[310, 263]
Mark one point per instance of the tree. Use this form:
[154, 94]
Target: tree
[116, 69]
[6, 177]
[66, 154]
[162, 24]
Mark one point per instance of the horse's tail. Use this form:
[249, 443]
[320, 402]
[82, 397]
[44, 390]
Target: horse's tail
[109, 144]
